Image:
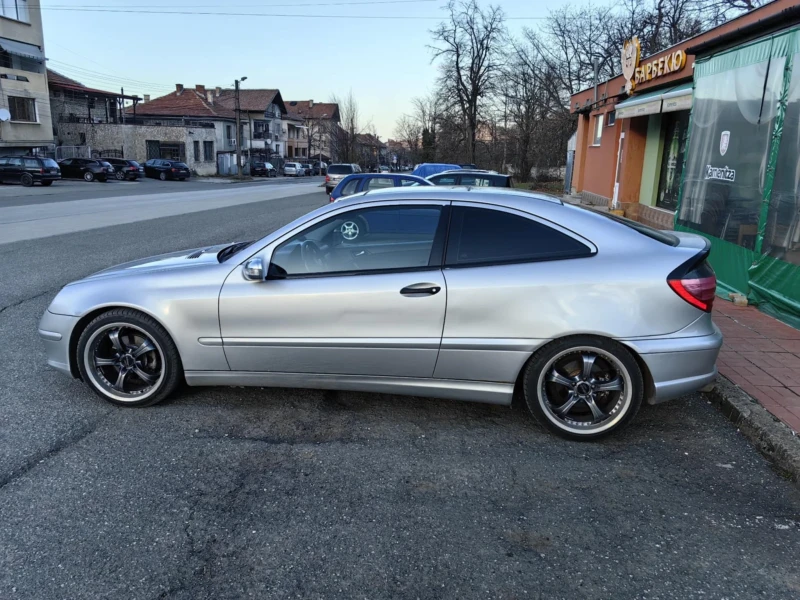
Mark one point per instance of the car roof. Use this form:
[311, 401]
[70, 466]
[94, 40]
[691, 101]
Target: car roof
[483, 195]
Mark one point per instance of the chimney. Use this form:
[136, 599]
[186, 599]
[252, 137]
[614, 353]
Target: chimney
[310, 104]
[179, 88]
[210, 96]
[147, 98]
[217, 91]
[201, 89]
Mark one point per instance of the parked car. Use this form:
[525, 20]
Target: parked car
[308, 169]
[362, 182]
[125, 168]
[28, 170]
[383, 169]
[88, 169]
[163, 169]
[473, 178]
[293, 169]
[428, 169]
[263, 169]
[320, 168]
[587, 315]
[338, 172]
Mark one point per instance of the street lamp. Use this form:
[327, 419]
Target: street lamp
[238, 130]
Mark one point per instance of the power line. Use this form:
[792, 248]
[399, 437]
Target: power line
[90, 74]
[269, 15]
[160, 6]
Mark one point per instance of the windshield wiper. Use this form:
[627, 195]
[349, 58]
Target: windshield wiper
[229, 251]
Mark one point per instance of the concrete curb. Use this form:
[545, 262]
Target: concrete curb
[773, 438]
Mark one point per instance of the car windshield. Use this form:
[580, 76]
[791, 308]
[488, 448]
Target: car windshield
[133, 163]
[104, 163]
[340, 170]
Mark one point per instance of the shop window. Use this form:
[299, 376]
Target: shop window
[676, 127]
[782, 238]
[598, 130]
[732, 120]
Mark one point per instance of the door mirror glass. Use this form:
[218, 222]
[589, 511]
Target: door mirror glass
[254, 270]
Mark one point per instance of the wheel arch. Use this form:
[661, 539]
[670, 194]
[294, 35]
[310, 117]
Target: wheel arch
[91, 316]
[649, 383]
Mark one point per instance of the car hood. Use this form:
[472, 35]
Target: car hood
[174, 260]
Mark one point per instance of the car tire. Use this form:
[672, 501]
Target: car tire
[120, 176]
[144, 351]
[563, 387]
[47, 183]
[162, 176]
[88, 176]
[26, 180]
[328, 191]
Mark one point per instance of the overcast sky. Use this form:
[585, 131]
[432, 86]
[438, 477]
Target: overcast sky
[384, 60]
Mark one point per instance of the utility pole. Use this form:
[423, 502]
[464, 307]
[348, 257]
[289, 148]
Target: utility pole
[238, 131]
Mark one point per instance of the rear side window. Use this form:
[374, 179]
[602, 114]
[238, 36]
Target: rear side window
[180, 165]
[376, 183]
[32, 163]
[486, 236]
[350, 187]
[340, 169]
[444, 180]
[50, 163]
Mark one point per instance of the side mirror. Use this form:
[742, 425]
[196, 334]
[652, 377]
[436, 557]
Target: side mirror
[254, 270]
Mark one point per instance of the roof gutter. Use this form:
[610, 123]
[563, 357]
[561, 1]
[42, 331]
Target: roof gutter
[780, 20]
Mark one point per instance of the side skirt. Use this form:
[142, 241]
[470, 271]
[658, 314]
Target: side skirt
[474, 391]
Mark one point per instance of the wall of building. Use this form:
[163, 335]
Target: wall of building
[630, 175]
[600, 162]
[131, 140]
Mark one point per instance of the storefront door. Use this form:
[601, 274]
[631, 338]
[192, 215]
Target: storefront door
[676, 128]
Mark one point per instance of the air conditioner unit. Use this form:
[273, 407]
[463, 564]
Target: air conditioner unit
[231, 142]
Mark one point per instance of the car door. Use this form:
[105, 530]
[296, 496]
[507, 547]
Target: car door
[4, 169]
[512, 281]
[360, 292]
[15, 168]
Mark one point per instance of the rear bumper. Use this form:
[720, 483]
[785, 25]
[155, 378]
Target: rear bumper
[56, 331]
[679, 365]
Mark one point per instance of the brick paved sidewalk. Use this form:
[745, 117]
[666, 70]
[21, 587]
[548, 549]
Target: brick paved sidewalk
[762, 356]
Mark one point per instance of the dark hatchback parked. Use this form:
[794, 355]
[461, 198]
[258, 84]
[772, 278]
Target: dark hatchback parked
[125, 169]
[472, 179]
[262, 169]
[162, 169]
[361, 182]
[28, 170]
[87, 169]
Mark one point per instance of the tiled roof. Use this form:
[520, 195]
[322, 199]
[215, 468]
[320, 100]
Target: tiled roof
[303, 109]
[57, 80]
[367, 139]
[187, 103]
[252, 100]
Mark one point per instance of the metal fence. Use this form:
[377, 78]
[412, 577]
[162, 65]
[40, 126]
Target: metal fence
[63, 152]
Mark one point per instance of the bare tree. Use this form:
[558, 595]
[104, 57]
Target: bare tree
[469, 48]
[344, 142]
[409, 131]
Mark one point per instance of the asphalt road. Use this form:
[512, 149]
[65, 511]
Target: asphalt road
[76, 189]
[233, 493]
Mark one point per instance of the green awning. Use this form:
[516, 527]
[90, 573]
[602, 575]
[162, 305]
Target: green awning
[650, 103]
[678, 98]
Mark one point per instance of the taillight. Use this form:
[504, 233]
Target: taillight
[41, 171]
[332, 200]
[174, 170]
[697, 284]
[327, 178]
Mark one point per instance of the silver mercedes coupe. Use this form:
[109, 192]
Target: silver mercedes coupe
[468, 294]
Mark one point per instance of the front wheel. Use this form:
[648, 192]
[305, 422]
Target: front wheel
[120, 176]
[162, 176]
[27, 179]
[88, 176]
[583, 387]
[128, 359]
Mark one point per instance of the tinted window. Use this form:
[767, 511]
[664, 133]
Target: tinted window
[67, 162]
[49, 163]
[17, 162]
[479, 235]
[350, 187]
[479, 181]
[376, 183]
[133, 163]
[180, 165]
[32, 163]
[444, 180]
[3, 161]
[340, 170]
[366, 239]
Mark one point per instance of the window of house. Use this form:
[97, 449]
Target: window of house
[22, 109]
[612, 118]
[404, 236]
[173, 151]
[208, 151]
[15, 9]
[229, 131]
[196, 145]
[485, 236]
[598, 130]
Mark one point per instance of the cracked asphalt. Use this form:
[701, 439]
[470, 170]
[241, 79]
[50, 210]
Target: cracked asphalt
[238, 493]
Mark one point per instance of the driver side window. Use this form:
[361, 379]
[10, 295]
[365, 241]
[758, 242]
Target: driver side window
[364, 240]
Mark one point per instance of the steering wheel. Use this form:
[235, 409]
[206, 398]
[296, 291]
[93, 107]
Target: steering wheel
[312, 256]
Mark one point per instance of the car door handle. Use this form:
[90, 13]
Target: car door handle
[421, 289]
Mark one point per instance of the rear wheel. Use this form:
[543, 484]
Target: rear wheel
[26, 179]
[583, 387]
[88, 176]
[128, 359]
[120, 176]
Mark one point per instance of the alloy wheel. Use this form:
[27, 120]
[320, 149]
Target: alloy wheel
[349, 230]
[124, 361]
[585, 390]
